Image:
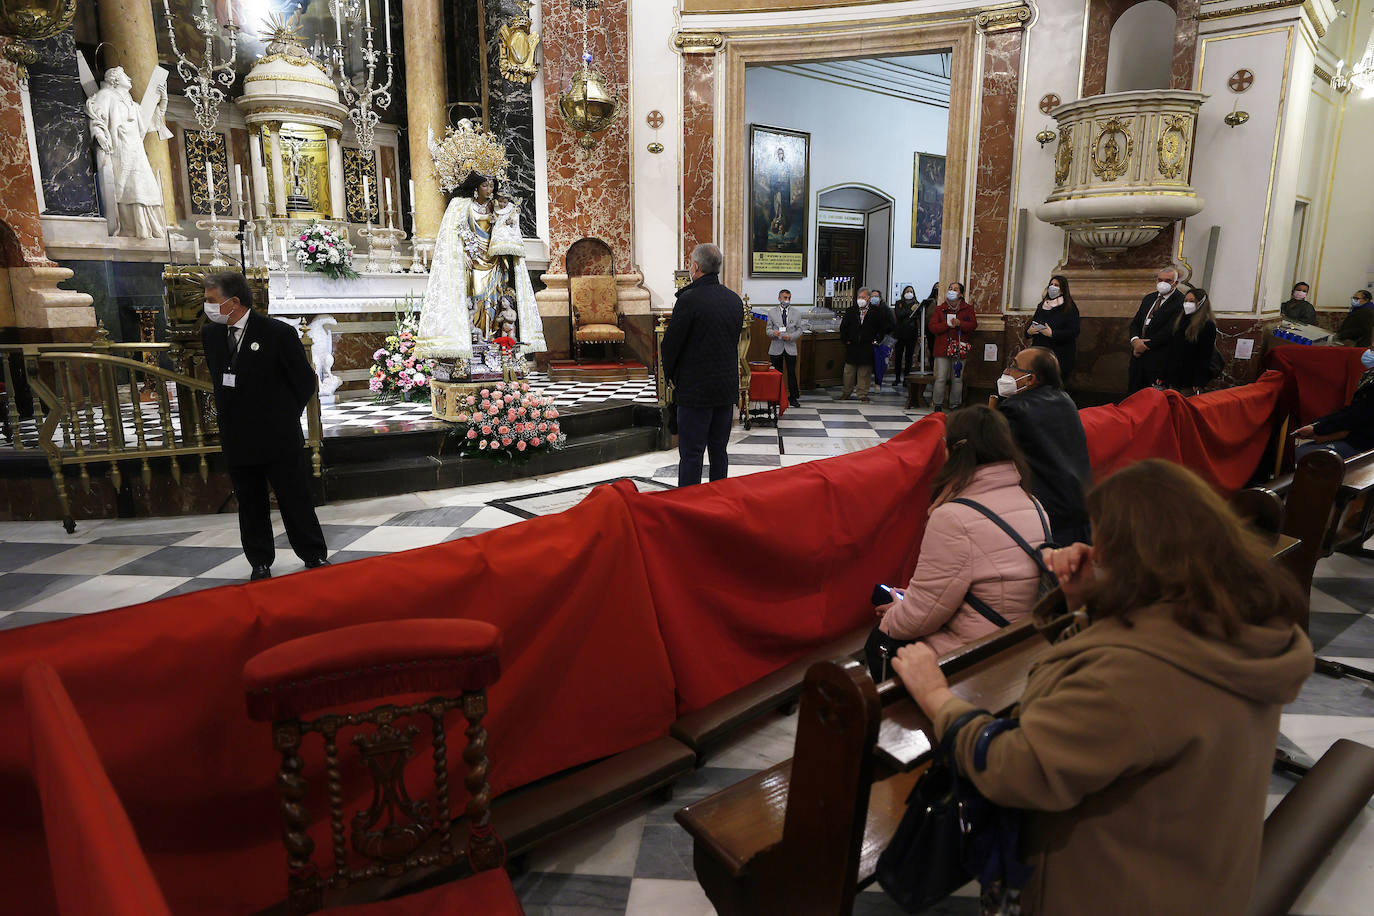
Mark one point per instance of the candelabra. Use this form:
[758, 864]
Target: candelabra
[365, 100]
[205, 84]
[381, 243]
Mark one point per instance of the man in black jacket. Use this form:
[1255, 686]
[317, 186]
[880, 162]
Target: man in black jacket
[701, 359]
[1045, 423]
[1152, 330]
[262, 383]
[862, 326]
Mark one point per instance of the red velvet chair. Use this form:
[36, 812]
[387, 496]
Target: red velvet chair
[452, 662]
[98, 868]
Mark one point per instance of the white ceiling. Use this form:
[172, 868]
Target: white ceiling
[922, 78]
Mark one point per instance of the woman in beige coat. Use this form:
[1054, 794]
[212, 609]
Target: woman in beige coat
[1147, 734]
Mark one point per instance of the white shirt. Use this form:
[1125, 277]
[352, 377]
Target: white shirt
[236, 340]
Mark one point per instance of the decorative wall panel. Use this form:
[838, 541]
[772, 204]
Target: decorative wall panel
[356, 165]
[199, 149]
[698, 151]
[589, 192]
[59, 117]
[511, 115]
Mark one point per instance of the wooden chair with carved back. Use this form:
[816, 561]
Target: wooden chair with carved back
[313, 686]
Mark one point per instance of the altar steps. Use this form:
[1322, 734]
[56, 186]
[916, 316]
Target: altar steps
[566, 370]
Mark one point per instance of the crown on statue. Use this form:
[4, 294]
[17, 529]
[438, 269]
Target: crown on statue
[466, 150]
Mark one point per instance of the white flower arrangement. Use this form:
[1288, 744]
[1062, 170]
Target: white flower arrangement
[322, 250]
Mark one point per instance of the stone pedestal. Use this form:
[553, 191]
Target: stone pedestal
[38, 303]
[632, 300]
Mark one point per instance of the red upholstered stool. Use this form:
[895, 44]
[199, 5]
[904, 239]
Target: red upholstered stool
[450, 662]
[98, 868]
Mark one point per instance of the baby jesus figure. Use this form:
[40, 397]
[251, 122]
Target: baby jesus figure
[506, 238]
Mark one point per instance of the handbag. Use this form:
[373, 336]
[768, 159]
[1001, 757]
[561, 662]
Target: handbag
[950, 834]
[1048, 580]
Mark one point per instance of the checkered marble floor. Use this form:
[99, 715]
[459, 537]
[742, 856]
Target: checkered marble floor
[637, 861]
[349, 416]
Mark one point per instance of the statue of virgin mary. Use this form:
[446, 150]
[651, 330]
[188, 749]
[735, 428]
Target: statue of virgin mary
[478, 282]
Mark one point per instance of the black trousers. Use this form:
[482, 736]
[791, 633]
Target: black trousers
[903, 358]
[290, 479]
[779, 360]
[701, 430]
[1142, 373]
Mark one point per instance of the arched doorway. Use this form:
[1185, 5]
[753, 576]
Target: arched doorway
[854, 235]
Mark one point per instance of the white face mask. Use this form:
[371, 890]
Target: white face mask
[1164, 287]
[908, 296]
[213, 313]
[1052, 292]
[1299, 294]
[952, 296]
[1189, 308]
[1006, 386]
[876, 300]
[861, 302]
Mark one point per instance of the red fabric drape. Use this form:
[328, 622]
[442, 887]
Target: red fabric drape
[747, 575]
[753, 572]
[1317, 380]
[584, 674]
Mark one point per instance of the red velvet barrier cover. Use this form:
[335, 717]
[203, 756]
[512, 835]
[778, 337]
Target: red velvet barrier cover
[584, 674]
[1318, 380]
[756, 571]
[748, 574]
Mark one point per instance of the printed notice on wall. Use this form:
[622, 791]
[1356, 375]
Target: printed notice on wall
[989, 353]
[779, 262]
[1245, 348]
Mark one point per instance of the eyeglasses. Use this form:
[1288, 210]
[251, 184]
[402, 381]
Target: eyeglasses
[1012, 367]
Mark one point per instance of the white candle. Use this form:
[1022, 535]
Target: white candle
[387, 188]
[197, 241]
[267, 258]
[412, 195]
[238, 185]
[367, 201]
[367, 13]
[338, 24]
[285, 258]
[230, 6]
[386, 23]
[210, 184]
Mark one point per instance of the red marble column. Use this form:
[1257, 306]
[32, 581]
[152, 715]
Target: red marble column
[18, 202]
[589, 192]
[996, 145]
[698, 150]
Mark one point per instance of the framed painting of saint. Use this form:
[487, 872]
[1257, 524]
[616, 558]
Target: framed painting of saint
[928, 201]
[779, 195]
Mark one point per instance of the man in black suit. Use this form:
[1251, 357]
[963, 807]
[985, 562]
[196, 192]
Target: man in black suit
[701, 358]
[1151, 331]
[262, 383]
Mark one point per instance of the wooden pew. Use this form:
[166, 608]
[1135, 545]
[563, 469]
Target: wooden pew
[803, 837]
[1349, 522]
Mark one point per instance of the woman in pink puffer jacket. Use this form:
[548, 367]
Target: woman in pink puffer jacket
[963, 551]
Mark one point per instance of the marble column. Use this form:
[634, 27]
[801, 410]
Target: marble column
[511, 114]
[59, 116]
[698, 146]
[1002, 42]
[278, 178]
[260, 209]
[425, 107]
[18, 197]
[130, 41]
[336, 174]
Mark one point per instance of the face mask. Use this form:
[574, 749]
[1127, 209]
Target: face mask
[952, 296]
[1052, 292]
[1354, 303]
[1299, 295]
[1189, 308]
[1367, 359]
[908, 296]
[1006, 386]
[212, 312]
[1164, 288]
[876, 300]
[861, 302]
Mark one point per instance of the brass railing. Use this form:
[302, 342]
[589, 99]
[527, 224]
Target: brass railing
[100, 405]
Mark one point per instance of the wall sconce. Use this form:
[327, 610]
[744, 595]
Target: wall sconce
[1045, 136]
[1236, 118]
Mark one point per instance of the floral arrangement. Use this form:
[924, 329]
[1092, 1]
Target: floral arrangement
[508, 420]
[396, 372]
[321, 250]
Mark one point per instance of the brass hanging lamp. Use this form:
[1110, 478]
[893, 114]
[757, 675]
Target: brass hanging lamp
[590, 104]
[24, 21]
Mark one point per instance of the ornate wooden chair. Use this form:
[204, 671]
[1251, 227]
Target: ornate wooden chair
[452, 661]
[98, 867]
[595, 316]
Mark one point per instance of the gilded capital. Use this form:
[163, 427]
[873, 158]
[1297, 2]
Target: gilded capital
[1004, 20]
[690, 42]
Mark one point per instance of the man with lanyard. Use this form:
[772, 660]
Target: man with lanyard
[1151, 331]
[784, 330]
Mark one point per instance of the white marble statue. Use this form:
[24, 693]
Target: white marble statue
[118, 124]
[322, 354]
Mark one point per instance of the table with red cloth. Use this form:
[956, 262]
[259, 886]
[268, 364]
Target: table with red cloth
[617, 615]
[767, 386]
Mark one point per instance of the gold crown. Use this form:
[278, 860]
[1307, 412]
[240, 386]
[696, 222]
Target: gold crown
[465, 151]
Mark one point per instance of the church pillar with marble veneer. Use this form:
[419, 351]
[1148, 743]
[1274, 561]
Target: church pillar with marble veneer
[336, 178]
[426, 103]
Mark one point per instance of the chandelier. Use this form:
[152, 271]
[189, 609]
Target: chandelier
[24, 21]
[590, 104]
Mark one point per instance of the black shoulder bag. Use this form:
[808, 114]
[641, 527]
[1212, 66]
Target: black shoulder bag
[950, 834]
[1048, 580]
